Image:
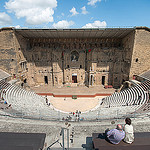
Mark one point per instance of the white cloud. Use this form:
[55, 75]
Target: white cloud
[17, 26]
[93, 2]
[96, 24]
[63, 24]
[84, 11]
[35, 11]
[73, 11]
[4, 19]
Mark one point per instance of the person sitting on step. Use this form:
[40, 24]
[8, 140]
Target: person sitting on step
[128, 128]
[114, 136]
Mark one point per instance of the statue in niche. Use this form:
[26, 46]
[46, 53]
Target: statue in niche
[74, 56]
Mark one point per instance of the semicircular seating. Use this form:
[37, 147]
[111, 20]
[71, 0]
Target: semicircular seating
[28, 102]
[135, 95]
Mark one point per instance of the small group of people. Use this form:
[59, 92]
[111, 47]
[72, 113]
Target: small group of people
[68, 118]
[125, 133]
[77, 115]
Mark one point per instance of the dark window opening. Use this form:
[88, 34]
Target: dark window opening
[46, 79]
[55, 79]
[137, 60]
[103, 80]
[25, 81]
[67, 66]
[80, 66]
[123, 81]
[91, 80]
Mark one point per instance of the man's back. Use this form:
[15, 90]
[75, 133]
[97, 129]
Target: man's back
[115, 135]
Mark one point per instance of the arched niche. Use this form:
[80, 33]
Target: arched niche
[74, 56]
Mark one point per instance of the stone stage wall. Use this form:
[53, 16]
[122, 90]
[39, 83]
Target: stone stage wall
[75, 61]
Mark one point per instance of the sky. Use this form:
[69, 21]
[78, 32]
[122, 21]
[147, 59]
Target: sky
[63, 14]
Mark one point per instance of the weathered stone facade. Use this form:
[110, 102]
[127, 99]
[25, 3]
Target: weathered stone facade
[141, 52]
[8, 61]
[64, 60]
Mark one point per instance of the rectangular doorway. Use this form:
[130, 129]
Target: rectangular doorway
[91, 82]
[74, 78]
[103, 80]
[46, 79]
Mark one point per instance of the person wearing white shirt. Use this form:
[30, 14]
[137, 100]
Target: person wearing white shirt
[129, 133]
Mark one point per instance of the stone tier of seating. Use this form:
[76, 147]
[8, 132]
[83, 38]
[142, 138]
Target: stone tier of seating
[146, 106]
[146, 85]
[136, 95]
[27, 102]
[120, 104]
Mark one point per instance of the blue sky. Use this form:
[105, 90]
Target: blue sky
[74, 13]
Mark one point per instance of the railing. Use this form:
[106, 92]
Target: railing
[61, 118]
[64, 143]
